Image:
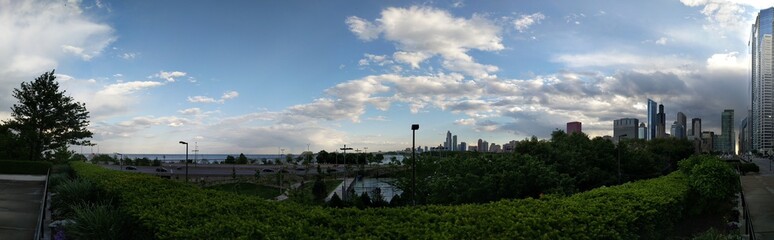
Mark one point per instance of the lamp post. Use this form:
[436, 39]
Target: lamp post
[619, 156]
[414, 128]
[346, 171]
[120, 161]
[186, 160]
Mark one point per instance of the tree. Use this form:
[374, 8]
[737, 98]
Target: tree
[242, 159]
[230, 160]
[318, 189]
[46, 119]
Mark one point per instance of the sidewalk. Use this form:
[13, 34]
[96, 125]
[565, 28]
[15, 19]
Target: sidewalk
[338, 188]
[20, 206]
[759, 192]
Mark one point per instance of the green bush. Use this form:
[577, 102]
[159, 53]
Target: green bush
[172, 210]
[99, 221]
[744, 168]
[712, 182]
[24, 167]
[56, 179]
[71, 193]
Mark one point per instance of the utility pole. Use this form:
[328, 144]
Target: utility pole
[414, 128]
[346, 171]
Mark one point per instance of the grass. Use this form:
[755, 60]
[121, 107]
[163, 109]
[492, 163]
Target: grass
[251, 189]
[329, 185]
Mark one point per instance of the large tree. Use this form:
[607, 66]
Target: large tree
[46, 119]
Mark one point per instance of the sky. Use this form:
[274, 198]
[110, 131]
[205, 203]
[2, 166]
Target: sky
[261, 76]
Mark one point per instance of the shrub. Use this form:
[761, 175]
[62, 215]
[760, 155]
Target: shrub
[70, 193]
[99, 221]
[744, 168]
[24, 167]
[57, 179]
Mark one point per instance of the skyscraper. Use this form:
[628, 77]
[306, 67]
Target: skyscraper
[677, 130]
[574, 127]
[448, 144]
[726, 138]
[479, 147]
[454, 143]
[625, 128]
[651, 119]
[762, 81]
[681, 119]
[744, 145]
[463, 147]
[643, 131]
[696, 128]
[661, 124]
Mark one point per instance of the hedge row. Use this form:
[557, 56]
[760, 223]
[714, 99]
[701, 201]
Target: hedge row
[24, 167]
[171, 210]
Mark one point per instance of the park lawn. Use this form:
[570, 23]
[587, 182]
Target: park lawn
[329, 185]
[265, 192]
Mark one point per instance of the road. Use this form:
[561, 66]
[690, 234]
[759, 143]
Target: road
[225, 169]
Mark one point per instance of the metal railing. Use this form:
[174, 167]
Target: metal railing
[40, 230]
[749, 229]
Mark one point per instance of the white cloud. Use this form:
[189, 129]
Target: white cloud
[37, 35]
[423, 32]
[728, 61]
[128, 55]
[380, 60]
[202, 99]
[723, 15]
[619, 59]
[525, 21]
[661, 41]
[169, 76]
[364, 29]
[116, 98]
[465, 121]
[229, 95]
[191, 111]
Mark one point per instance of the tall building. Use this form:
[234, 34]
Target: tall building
[707, 143]
[661, 124]
[625, 128]
[643, 131]
[696, 128]
[651, 119]
[744, 145]
[677, 130]
[479, 147]
[726, 138]
[681, 119]
[485, 146]
[463, 147]
[448, 144]
[574, 127]
[454, 143]
[762, 81]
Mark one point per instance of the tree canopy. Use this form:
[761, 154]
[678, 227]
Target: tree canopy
[46, 118]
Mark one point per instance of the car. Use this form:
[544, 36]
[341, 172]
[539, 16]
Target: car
[161, 170]
[130, 168]
[300, 169]
[179, 168]
[267, 170]
[330, 170]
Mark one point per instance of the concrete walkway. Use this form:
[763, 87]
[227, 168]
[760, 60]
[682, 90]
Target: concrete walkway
[759, 193]
[20, 206]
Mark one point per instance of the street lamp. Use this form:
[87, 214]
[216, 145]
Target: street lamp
[619, 156]
[186, 160]
[346, 171]
[414, 128]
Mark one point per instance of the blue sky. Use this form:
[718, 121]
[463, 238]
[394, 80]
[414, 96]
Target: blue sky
[256, 76]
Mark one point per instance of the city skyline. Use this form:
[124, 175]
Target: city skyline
[253, 77]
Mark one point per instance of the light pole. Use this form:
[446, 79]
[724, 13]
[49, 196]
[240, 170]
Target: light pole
[120, 161]
[414, 128]
[186, 160]
[346, 171]
[619, 157]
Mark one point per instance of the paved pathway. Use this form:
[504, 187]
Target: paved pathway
[338, 189]
[20, 207]
[759, 193]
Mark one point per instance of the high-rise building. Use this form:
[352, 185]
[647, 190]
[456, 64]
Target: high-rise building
[448, 144]
[651, 119]
[707, 141]
[661, 124]
[454, 143]
[681, 119]
[574, 127]
[625, 128]
[726, 138]
[696, 128]
[485, 146]
[744, 145]
[463, 147]
[677, 130]
[643, 131]
[479, 147]
[762, 81]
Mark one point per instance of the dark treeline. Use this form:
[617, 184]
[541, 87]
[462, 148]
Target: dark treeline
[351, 158]
[565, 164]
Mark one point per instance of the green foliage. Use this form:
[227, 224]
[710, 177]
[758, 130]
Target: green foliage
[242, 159]
[251, 189]
[744, 168]
[99, 221]
[712, 181]
[24, 167]
[70, 193]
[319, 189]
[336, 201]
[46, 119]
[645, 209]
[103, 158]
[230, 160]
[56, 179]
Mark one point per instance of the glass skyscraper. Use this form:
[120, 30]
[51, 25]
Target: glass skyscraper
[762, 82]
[727, 132]
[652, 108]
